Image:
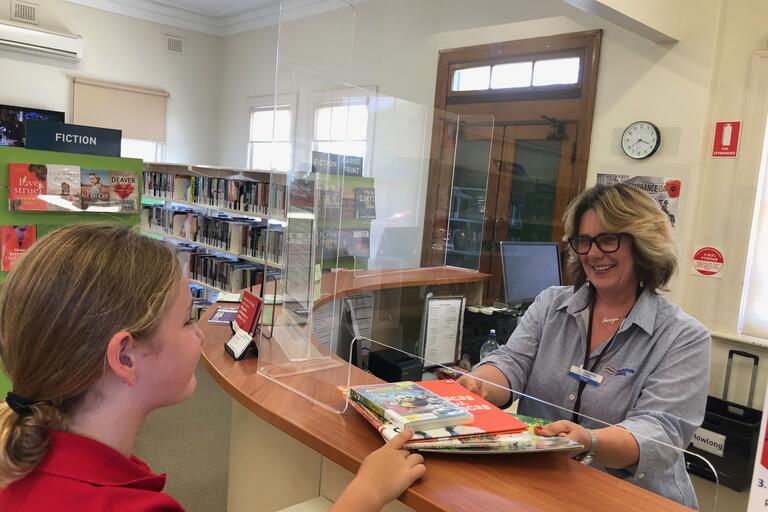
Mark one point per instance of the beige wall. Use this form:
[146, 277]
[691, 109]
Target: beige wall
[125, 50]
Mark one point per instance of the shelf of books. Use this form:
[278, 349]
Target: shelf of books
[227, 225]
[44, 190]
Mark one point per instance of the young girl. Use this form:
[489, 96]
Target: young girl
[95, 334]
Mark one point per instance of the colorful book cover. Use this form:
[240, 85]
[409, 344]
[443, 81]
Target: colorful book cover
[94, 188]
[26, 183]
[15, 242]
[365, 203]
[462, 440]
[407, 404]
[63, 181]
[124, 187]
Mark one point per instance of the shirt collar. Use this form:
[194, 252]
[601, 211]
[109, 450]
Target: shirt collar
[643, 313]
[80, 458]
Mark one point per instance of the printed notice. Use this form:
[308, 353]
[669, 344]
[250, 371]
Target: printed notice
[442, 330]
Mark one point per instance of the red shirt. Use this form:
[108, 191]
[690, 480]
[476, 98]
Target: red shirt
[83, 475]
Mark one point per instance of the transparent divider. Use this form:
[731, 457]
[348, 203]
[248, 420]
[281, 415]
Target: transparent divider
[391, 202]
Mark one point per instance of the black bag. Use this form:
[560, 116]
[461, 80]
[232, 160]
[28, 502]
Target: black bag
[741, 427]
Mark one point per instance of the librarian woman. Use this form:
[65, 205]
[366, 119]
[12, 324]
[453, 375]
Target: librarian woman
[610, 347]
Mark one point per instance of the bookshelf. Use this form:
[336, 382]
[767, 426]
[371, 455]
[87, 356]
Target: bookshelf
[226, 224]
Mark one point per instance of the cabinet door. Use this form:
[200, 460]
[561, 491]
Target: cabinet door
[534, 188]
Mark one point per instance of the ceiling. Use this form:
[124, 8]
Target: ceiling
[215, 17]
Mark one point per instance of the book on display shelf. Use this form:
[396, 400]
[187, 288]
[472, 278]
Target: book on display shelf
[95, 189]
[125, 194]
[15, 242]
[63, 181]
[26, 185]
[407, 404]
[365, 203]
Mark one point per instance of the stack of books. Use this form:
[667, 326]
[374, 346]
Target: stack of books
[446, 417]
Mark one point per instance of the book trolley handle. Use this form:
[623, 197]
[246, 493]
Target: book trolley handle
[755, 360]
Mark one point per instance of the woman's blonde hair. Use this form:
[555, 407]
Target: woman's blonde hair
[60, 305]
[627, 209]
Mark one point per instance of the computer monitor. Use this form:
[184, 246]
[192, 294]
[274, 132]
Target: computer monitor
[529, 268]
[13, 122]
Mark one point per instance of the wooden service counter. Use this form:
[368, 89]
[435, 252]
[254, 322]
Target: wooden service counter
[286, 449]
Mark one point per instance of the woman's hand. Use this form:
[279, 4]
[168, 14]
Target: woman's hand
[488, 382]
[475, 385]
[565, 428]
[383, 476]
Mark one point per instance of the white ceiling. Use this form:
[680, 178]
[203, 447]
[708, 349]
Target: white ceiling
[216, 17]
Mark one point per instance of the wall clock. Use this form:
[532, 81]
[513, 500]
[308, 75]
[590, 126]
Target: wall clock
[640, 140]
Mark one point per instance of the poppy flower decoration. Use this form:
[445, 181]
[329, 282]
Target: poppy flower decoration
[673, 188]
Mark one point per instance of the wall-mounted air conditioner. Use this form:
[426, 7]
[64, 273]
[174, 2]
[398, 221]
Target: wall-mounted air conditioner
[40, 42]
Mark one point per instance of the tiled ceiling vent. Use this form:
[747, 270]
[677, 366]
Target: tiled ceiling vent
[25, 12]
[175, 44]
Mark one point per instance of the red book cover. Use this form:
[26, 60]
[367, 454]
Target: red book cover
[15, 242]
[488, 417]
[26, 182]
[249, 312]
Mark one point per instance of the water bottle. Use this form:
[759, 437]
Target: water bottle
[489, 346]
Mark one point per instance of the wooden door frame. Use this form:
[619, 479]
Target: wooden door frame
[587, 42]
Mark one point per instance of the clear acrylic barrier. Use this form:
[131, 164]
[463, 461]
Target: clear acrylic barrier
[339, 295]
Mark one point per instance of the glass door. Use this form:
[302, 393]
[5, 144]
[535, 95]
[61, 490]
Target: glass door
[534, 188]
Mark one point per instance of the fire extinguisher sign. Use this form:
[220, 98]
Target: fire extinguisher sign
[726, 142]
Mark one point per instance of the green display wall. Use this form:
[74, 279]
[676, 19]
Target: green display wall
[48, 221]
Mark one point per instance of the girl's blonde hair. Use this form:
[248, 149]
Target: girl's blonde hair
[60, 305]
[627, 209]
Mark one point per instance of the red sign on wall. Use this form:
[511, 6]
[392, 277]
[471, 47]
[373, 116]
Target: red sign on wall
[726, 143]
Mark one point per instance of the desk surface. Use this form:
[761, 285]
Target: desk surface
[525, 482]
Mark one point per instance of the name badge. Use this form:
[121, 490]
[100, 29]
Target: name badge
[585, 375]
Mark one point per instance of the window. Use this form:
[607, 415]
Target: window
[147, 150]
[270, 143]
[341, 126]
[754, 304]
[511, 75]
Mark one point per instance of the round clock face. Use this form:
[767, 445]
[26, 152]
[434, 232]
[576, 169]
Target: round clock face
[640, 140]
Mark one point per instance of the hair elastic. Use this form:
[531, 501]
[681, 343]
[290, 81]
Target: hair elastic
[19, 404]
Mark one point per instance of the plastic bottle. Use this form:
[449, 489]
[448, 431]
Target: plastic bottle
[489, 346]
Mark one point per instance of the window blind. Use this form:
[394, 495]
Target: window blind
[138, 112]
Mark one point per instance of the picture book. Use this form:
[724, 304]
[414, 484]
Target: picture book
[452, 440]
[94, 188]
[407, 404]
[63, 183]
[124, 187]
[26, 185]
[15, 242]
[365, 203]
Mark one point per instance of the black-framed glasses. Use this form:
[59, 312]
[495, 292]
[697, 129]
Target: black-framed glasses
[606, 242]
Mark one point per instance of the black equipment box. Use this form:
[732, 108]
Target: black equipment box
[394, 366]
[741, 427]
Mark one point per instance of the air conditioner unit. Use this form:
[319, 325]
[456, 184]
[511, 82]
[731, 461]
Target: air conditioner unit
[41, 42]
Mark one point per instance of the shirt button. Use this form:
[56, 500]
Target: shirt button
[572, 396]
[641, 476]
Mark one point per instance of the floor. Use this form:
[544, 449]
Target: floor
[190, 442]
[728, 500]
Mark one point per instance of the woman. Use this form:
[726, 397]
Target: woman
[95, 333]
[650, 359]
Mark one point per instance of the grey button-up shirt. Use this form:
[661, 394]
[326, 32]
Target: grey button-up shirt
[655, 378]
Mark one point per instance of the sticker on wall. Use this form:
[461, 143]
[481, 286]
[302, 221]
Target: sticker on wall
[726, 141]
[666, 191]
[708, 261]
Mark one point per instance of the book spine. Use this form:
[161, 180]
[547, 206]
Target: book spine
[354, 395]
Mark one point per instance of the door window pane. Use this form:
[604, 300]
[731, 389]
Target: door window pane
[556, 71]
[515, 74]
[471, 79]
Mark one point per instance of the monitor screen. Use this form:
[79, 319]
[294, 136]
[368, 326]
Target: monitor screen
[13, 119]
[529, 268]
